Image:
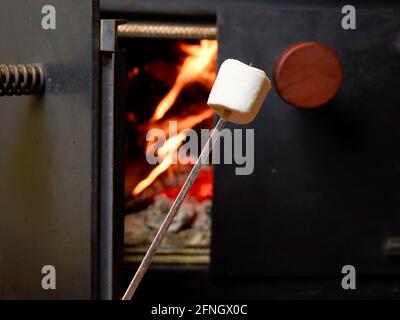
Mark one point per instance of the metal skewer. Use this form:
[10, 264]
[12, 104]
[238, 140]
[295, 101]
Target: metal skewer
[144, 265]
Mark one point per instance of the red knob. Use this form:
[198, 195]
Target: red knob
[308, 74]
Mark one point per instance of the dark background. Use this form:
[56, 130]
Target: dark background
[210, 7]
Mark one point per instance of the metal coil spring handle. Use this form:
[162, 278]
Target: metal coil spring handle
[21, 79]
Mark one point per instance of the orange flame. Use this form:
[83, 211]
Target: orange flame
[194, 67]
[168, 153]
[198, 66]
[169, 149]
[185, 123]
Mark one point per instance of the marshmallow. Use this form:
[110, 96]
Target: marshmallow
[240, 89]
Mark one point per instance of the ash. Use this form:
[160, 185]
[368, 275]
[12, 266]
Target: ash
[191, 226]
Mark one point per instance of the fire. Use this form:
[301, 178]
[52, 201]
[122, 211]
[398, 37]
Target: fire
[198, 66]
[185, 123]
[168, 152]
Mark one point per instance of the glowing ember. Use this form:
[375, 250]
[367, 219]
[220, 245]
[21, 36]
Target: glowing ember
[202, 187]
[133, 73]
[195, 67]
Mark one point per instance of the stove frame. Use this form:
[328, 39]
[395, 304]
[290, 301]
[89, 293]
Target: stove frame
[61, 164]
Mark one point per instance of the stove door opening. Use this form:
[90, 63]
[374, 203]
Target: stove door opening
[167, 89]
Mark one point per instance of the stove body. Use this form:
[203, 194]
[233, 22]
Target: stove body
[324, 192]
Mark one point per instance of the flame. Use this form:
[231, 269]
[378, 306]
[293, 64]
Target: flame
[195, 66]
[185, 123]
[168, 150]
[168, 153]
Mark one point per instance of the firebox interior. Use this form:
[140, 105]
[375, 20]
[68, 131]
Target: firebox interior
[167, 85]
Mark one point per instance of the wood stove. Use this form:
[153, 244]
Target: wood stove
[77, 194]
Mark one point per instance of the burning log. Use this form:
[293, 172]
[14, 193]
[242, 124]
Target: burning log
[198, 66]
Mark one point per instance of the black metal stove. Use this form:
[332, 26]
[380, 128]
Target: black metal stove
[325, 189]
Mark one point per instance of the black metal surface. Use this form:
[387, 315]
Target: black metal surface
[193, 283]
[48, 152]
[191, 9]
[326, 185]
